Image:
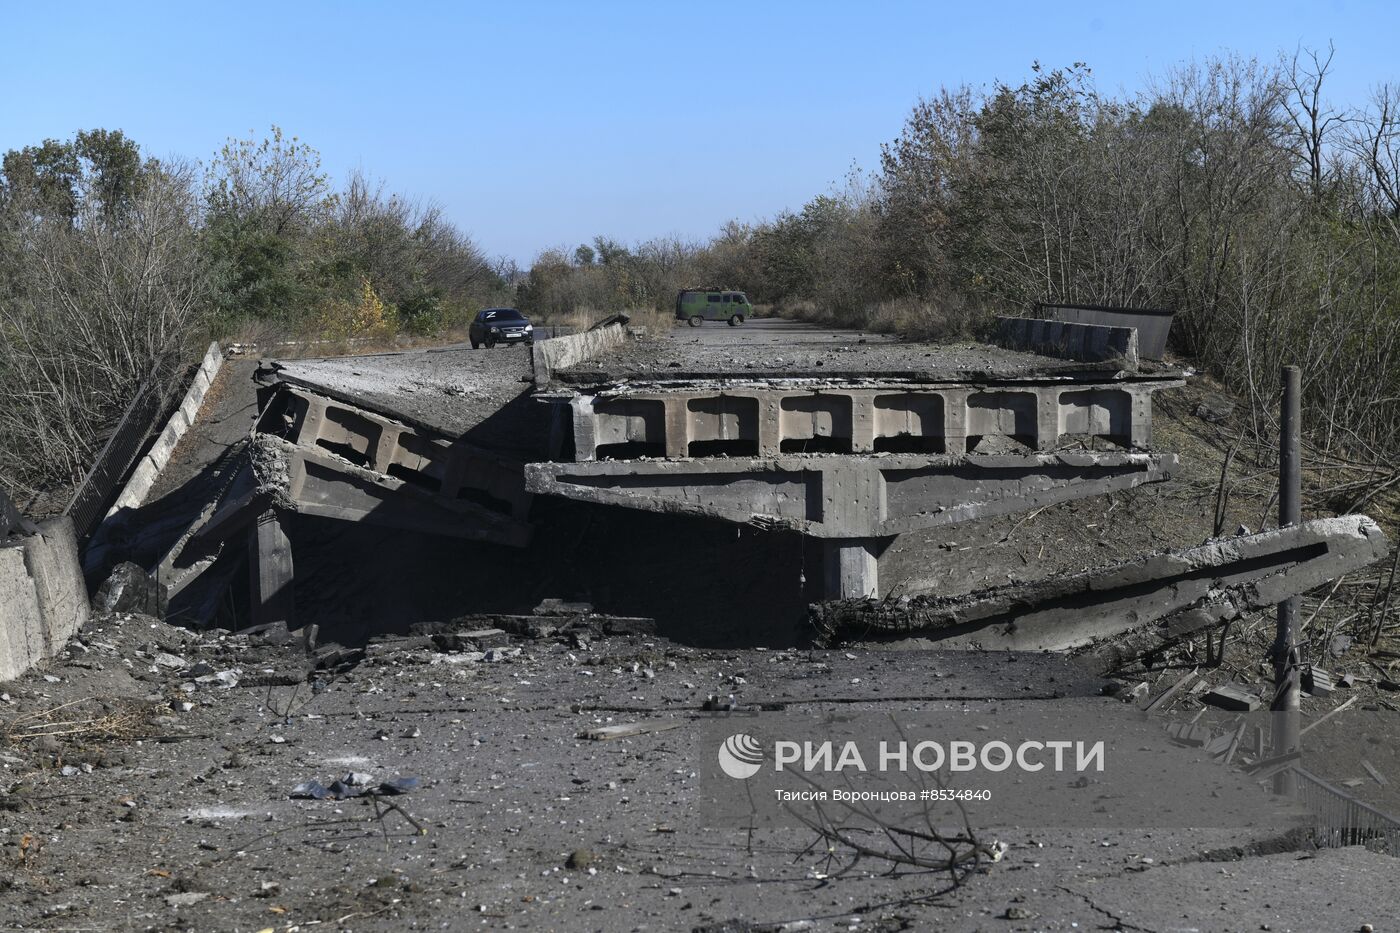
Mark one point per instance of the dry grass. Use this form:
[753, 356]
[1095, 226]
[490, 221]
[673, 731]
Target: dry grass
[80, 720]
[908, 317]
[283, 341]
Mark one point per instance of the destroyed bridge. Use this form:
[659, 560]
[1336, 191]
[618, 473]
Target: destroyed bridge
[775, 430]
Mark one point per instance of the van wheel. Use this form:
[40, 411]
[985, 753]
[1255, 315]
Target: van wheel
[696, 321]
[736, 320]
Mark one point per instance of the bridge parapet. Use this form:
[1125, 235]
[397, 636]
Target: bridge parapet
[634, 421]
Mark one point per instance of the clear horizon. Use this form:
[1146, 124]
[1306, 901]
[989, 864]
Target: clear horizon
[547, 124]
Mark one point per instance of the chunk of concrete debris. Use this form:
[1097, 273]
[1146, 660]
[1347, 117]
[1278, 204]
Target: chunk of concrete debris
[330, 657]
[561, 607]
[272, 634]
[626, 730]
[628, 625]
[170, 661]
[185, 898]
[128, 588]
[482, 639]
[1231, 697]
[1125, 611]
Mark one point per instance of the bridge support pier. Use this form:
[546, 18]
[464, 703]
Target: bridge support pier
[851, 567]
[270, 570]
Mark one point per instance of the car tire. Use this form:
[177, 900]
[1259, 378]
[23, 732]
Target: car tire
[736, 320]
[476, 344]
[696, 320]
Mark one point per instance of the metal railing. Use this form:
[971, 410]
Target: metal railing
[1342, 820]
[98, 487]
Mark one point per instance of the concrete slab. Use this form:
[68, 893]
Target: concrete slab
[835, 496]
[457, 392]
[43, 599]
[1127, 608]
[772, 347]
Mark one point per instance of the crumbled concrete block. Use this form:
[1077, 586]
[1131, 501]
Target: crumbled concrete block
[128, 588]
[43, 599]
[562, 607]
[476, 640]
[628, 625]
[1231, 697]
[1129, 609]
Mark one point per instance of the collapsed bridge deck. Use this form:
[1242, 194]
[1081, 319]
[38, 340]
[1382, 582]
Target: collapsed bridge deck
[841, 439]
[844, 437]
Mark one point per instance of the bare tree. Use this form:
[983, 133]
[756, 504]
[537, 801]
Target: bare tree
[1314, 121]
[88, 311]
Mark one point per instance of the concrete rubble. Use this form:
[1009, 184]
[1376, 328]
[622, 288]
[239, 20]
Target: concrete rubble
[1125, 610]
[43, 597]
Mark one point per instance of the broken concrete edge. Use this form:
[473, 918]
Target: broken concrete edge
[799, 463]
[147, 471]
[43, 597]
[271, 374]
[306, 389]
[1088, 343]
[602, 385]
[556, 353]
[12, 520]
[1165, 595]
[619, 318]
[756, 490]
[1067, 373]
[279, 467]
[1152, 324]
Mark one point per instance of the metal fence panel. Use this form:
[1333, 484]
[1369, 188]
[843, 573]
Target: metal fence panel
[94, 494]
[1342, 820]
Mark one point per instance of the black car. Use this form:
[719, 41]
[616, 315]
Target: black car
[500, 325]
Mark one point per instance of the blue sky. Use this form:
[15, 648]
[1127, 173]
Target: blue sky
[543, 124]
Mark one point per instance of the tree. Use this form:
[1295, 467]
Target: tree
[1314, 121]
[43, 180]
[263, 199]
[94, 301]
[276, 185]
[115, 165]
